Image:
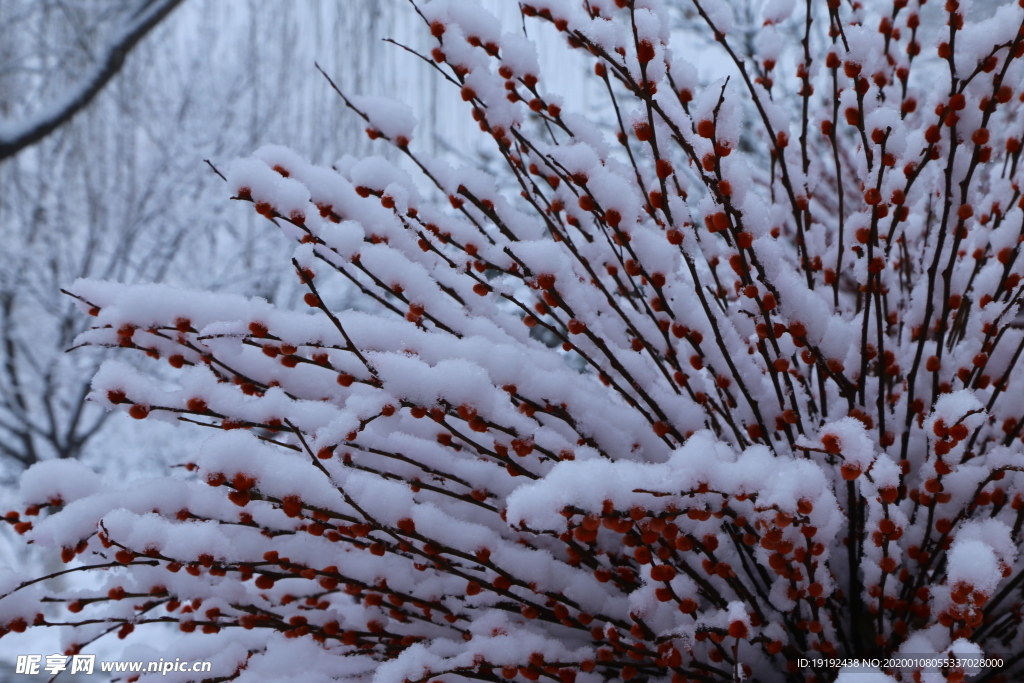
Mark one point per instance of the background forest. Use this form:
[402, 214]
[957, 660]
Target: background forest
[122, 191]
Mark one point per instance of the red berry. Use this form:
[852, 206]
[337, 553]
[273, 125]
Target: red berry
[643, 132]
[738, 629]
[663, 572]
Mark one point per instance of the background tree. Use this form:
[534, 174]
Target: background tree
[90, 198]
[85, 43]
[83, 200]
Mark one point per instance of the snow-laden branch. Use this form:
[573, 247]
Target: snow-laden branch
[136, 23]
[720, 389]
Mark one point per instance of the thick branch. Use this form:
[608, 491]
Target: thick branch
[14, 137]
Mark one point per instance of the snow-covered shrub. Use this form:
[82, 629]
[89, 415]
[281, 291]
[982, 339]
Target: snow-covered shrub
[729, 387]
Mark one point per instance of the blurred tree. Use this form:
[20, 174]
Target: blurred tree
[82, 200]
[86, 195]
[85, 43]
[215, 80]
